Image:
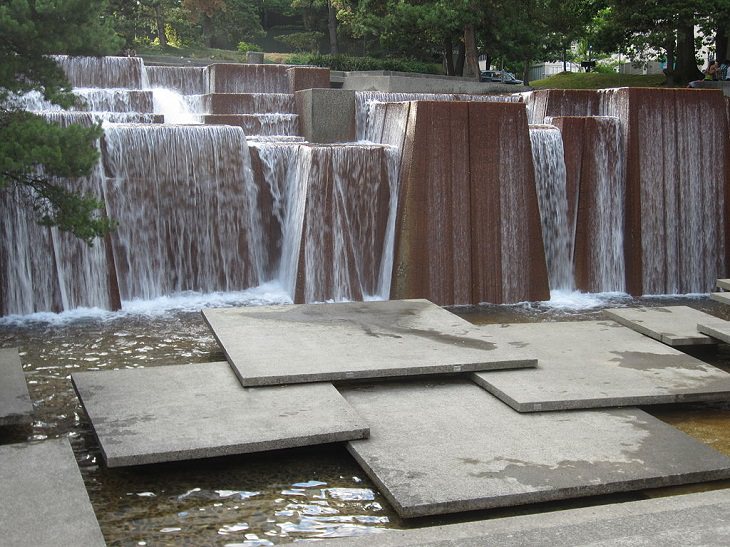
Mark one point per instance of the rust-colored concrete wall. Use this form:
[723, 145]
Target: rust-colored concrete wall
[242, 78]
[562, 102]
[308, 77]
[468, 227]
[248, 103]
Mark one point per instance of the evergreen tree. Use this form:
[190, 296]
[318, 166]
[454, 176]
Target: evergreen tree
[33, 151]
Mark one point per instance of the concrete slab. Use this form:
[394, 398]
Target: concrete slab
[324, 342]
[675, 326]
[690, 519]
[181, 412]
[594, 364]
[447, 446]
[15, 404]
[723, 284]
[723, 297]
[44, 501]
[718, 329]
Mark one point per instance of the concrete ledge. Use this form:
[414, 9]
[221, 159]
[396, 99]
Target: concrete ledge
[674, 326]
[15, 403]
[308, 77]
[400, 82]
[690, 519]
[183, 412]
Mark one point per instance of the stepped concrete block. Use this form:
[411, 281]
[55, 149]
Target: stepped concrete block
[258, 124]
[187, 80]
[723, 284]
[182, 412]
[44, 501]
[245, 78]
[591, 364]
[323, 342]
[463, 235]
[563, 102]
[699, 519]
[308, 77]
[474, 452]
[671, 325]
[326, 115]
[346, 213]
[15, 404]
[249, 103]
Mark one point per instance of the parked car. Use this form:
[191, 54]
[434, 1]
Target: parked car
[500, 76]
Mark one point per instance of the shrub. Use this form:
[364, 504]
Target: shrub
[302, 41]
[349, 63]
[245, 47]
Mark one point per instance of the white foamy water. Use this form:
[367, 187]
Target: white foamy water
[271, 293]
[576, 300]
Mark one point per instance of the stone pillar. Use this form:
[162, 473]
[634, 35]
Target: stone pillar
[326, 115]
[255, 57]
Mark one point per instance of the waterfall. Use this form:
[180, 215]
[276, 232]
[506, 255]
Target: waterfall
[188, 209]
[550, 178]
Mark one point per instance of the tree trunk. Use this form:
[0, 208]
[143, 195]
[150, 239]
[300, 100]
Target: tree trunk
[722, 45]
[471, 55]
[449, 57]
[460, 58]
[670, 46]
[207, 27]
[686, 70]
[526, 72]
[160, 21]
[332, 26]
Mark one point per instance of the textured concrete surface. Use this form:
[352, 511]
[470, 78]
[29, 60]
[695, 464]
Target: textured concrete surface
[671, 325]
[447, 446]
[43, 500]
[722, 297]
[181, 412]
[323, 342]
[15, 404]
[326, 115]
[690, 519]
[598, 364]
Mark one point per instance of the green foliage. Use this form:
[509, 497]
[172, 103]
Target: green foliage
[33, 151]
[302, 41]
[597, 80]
[245, 47]
[350, 63]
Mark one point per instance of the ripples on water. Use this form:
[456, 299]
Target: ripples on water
[248, 500]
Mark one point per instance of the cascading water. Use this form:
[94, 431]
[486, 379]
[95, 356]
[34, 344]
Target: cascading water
[550, 179]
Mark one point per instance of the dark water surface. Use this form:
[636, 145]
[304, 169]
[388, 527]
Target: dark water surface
[257, 499]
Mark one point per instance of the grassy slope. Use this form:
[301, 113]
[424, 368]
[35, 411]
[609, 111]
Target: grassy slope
[594, 80]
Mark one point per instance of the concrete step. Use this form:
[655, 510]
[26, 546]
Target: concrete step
[257, 124]
[723, 284]
[722, 297]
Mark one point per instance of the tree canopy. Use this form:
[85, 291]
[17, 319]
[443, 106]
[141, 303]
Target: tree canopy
[35, 152]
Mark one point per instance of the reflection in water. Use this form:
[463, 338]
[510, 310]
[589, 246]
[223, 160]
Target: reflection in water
[255, 499]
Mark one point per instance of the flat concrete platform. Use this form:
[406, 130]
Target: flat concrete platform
[723, 284]
[723, 297]
[181, 412]
[592, 364]
[675, 326]
[15, 404]
[717, 329]
[690, 519]
[43, 497]
[325, 342]
[446, 446]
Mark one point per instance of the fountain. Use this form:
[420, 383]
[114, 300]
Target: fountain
[449, 197]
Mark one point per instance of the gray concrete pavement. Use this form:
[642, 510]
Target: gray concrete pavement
[325, 342]
[701, 519]
[15, 404]
[675, 326]
[182, 412]
[592, 364]
[43, 500]
[446, 446]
